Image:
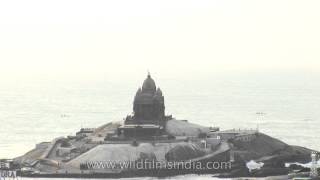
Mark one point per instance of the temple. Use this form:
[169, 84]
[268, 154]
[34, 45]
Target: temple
[148, 117]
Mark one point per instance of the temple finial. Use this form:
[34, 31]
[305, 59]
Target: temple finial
[149, 74]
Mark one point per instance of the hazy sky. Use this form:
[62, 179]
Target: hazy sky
[165, 36]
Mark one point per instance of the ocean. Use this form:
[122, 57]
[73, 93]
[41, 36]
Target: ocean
[33, 110]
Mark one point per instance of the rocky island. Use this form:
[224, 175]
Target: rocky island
[151, 143]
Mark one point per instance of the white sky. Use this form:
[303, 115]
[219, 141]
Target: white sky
[92, 37]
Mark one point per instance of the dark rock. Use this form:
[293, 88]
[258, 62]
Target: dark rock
[269, 171]
[183, 152]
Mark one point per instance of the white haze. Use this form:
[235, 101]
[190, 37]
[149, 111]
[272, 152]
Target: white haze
[124, 38]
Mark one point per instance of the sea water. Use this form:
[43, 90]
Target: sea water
[34, 110]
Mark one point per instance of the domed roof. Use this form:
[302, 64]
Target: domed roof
[159, 92]
[149, 85]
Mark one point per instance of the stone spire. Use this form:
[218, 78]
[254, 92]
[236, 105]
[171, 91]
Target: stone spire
[148, 104]
[149, 86]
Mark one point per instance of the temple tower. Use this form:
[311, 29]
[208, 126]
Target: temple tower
[148, 104]
[148, 119]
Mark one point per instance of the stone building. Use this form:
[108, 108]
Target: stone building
[148, 117]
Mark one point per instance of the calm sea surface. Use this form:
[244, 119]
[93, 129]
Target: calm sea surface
[33, 110]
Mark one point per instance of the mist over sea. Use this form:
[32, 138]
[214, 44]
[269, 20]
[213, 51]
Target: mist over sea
[40, 109]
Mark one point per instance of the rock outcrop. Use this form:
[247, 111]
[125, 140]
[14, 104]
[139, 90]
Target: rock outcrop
[184, 128]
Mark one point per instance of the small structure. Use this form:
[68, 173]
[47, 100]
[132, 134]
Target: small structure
[213, 142]
[231, 158]
[204, 144]
[236, 134]
[314, 165]
[6, 164]
[140, 130]
[85, 131]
